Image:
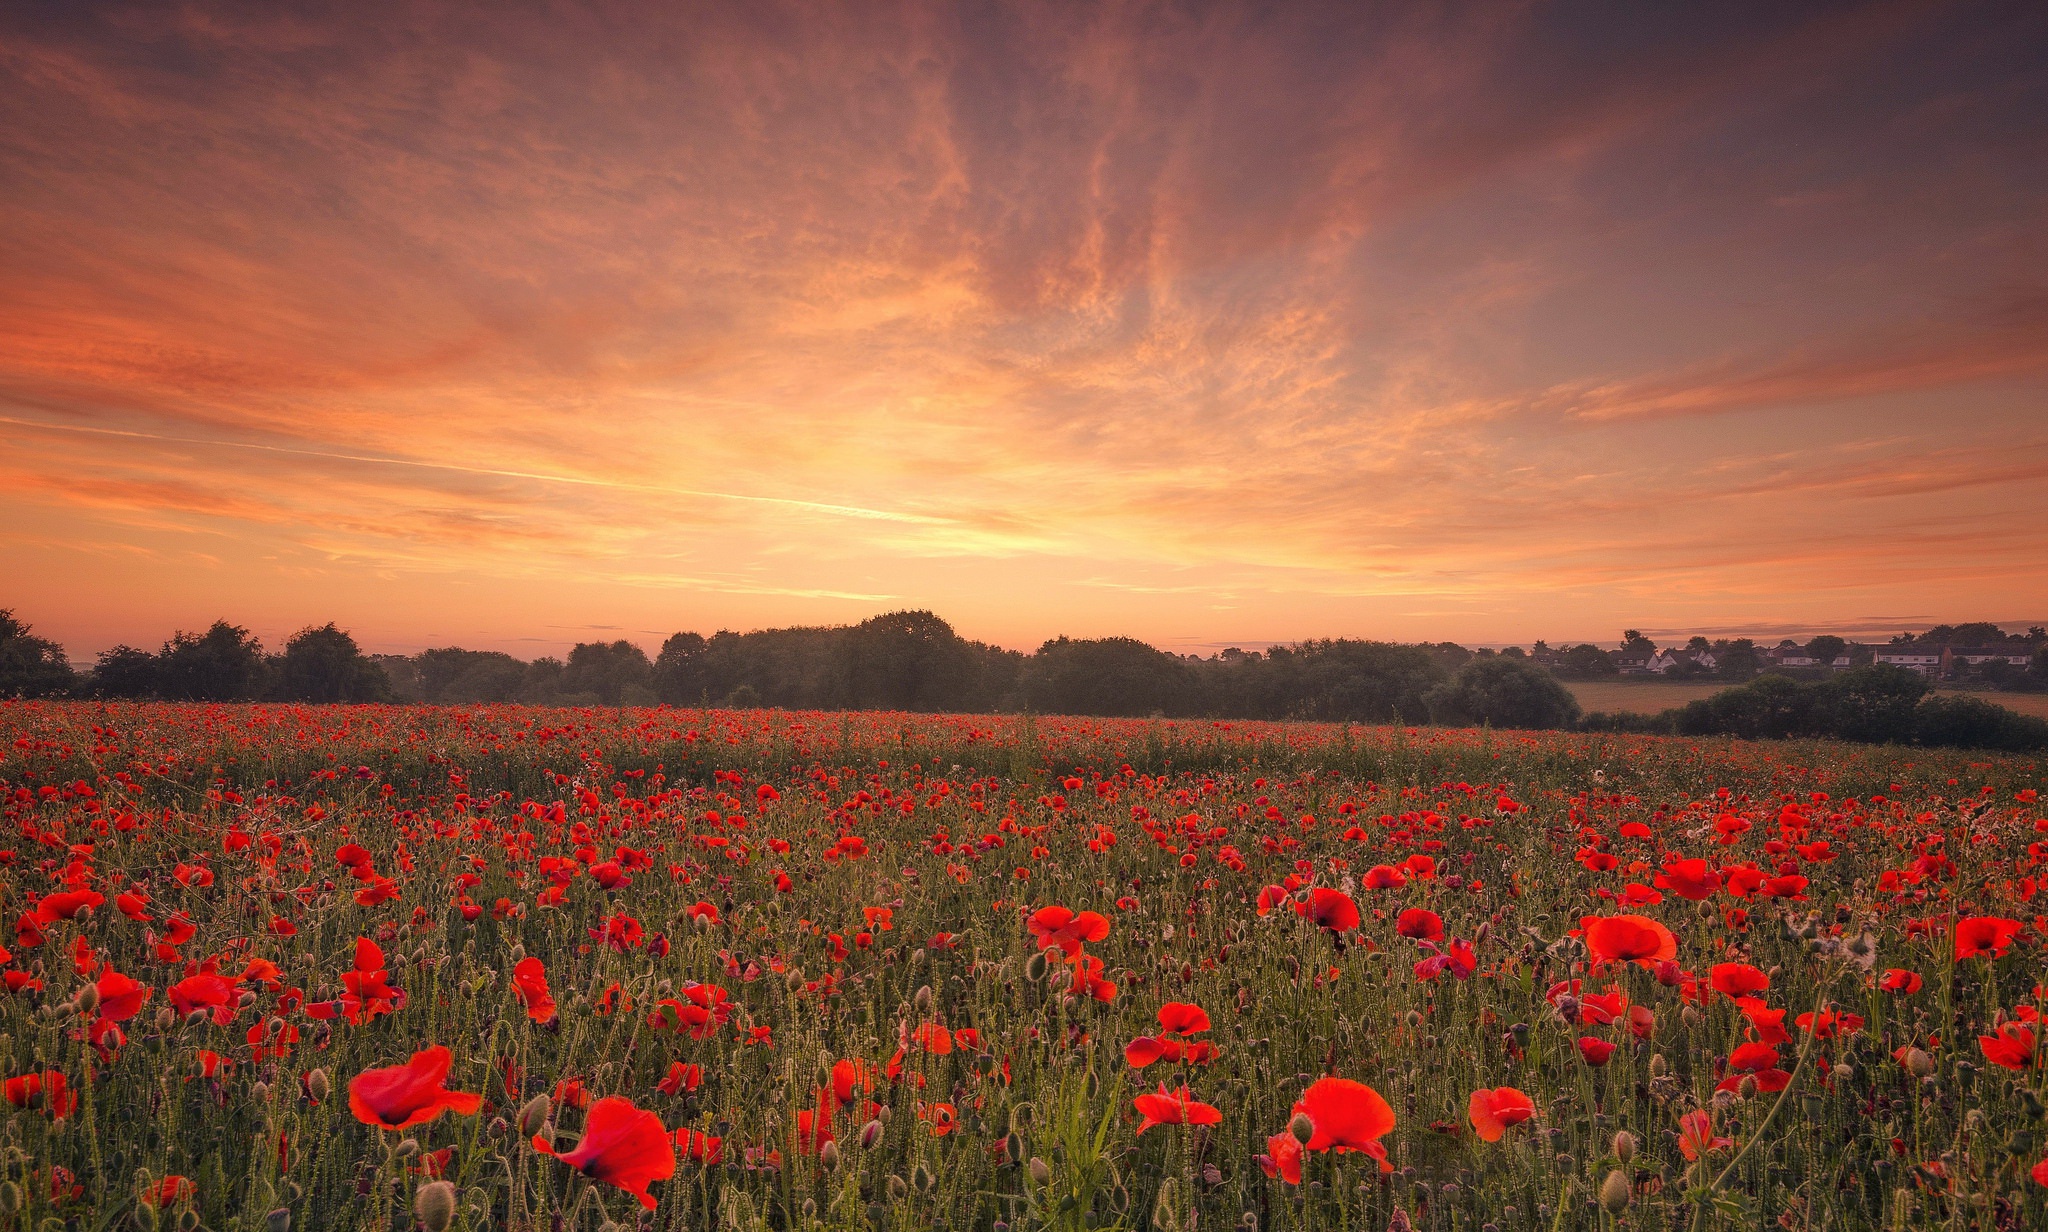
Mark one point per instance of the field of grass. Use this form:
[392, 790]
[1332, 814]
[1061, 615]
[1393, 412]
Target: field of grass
[477, 967]
[1655, 696]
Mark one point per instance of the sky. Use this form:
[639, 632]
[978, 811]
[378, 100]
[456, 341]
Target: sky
[510, 326]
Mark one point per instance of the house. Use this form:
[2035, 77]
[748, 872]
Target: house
[1634, 662]
[1927, 660]
[1953, 657]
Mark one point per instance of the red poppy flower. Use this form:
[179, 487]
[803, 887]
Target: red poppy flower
[1348, 1116]
[622, 1146]
[702, 1147]
[1985, 936]
[1628, 938]
[1493, 1111]
[1283, 1158]
[681, 1078]
[51, 1084]
[171, 1189]
[1175, 1107]
[401, 1096]
[1420, 924]
[1596, 1051]
[1332, 909]
[1696, 1135]
[1733, 980]
[530, 979]
[1062, 927]
[1183, 1018]
[2011, 1046]
[1689, 879]
[1900, 980]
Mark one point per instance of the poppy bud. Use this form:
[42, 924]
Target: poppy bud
[1301, 1127]
[1747, 1086]
[260, 1092]
[1624, 1145]
[318, 1085]
[1668, 973]
[408, 1148]
[870, 1135]
[1918, 1063]
[922, 1177]
[828, 1158]
[246, 1000]
[924, 998]
[1164, 1214]
[88, 998]
[10, 1197]
[518, 952]
[1034, 967]
[188, 1221]
[1041, 1172]
[1614, 1192]
[533, 1114]
[166, 1018]
[794, 979]
[1845, 1071]
[1658, 1066]
[145, 1217]
[196, 1019]
[435, 1205]
[279, 1220]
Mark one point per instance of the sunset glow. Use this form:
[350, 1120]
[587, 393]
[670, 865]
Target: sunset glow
[1205, 324]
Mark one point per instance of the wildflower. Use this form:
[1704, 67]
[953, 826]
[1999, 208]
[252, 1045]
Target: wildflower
[1628, 938]
[622, 1146]
[401, 1096]
[1696, 1135]
[1985, 936]
[1348, 1116]
[1176, 1107]
[1492, 1112]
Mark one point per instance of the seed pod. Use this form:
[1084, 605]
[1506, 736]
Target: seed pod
[1624, 1145]
[533, 1114]
[435, 1205]
[1614, 1192]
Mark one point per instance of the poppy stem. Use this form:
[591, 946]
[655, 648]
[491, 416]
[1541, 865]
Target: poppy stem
[1798, 1067]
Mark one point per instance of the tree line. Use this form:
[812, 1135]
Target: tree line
[910, 660]
[913, 660]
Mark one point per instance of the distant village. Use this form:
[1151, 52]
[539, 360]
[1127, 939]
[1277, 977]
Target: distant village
[1979, 652]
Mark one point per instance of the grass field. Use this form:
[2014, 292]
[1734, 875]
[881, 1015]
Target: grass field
[1653, 696]
[420, 969]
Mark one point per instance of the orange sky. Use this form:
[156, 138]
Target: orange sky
[1207, 324]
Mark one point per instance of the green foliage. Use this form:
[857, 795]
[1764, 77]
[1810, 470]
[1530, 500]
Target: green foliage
[31, 666]
[1503, 692]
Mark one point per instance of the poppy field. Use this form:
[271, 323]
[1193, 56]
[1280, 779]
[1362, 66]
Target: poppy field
[274, 967]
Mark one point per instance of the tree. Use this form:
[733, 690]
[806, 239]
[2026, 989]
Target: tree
[1873, 705]
[324, 664]
[681, 670]
[126, 671]
[1825, 649]
[31, 666]
[1116, 676]
[1502, 692]
[1586, 662]
[223, 664]
[615, 673]
[904, 661]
